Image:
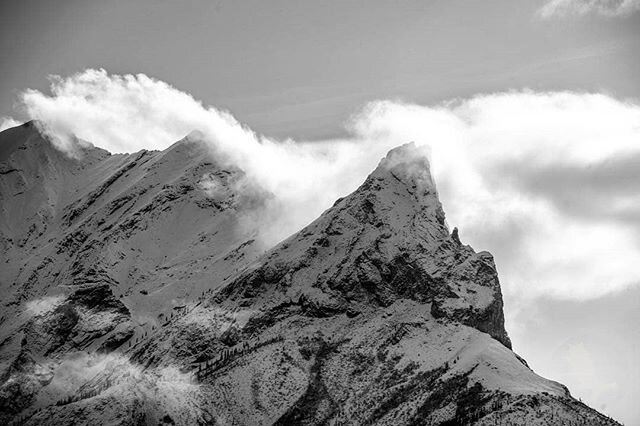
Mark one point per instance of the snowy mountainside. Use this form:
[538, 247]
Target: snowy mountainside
[133, 294]
[100, 248]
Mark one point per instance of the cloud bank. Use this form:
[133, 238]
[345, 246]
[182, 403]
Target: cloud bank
[545, 181]
[611, 8]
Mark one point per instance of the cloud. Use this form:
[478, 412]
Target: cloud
[611, 8]
[8, 122]
[512, 169]
[155, 389]
[546, 181]
[605, 189]
[133, 112]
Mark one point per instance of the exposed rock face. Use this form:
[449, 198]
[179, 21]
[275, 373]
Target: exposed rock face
[133, 297]
[385, 242]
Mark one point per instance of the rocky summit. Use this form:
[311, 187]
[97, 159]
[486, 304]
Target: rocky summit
[133, 293]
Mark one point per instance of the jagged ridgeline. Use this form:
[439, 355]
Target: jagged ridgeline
[132, 294]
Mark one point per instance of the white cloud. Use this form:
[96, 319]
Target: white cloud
[8, 122]
[562, 8]
[133, 112]
[499, 161]
[482, 147]
[165, 387]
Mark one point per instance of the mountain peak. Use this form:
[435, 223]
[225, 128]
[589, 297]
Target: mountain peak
[408, 164]
[401, 193]
[18, 137]
[393, 244]
[33, 139]
[408, 159]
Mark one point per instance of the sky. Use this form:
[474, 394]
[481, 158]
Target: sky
[531, 110]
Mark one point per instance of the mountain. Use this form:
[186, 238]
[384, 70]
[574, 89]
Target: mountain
[135, 293]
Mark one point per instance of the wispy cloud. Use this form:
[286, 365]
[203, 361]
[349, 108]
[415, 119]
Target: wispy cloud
[543, 180]
[546, 181]
[563, 8]
[164, 387]
[7, 122]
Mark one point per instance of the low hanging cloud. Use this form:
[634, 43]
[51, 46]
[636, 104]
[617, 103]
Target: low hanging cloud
[545, 181]
[43, 305]
[133, 112]
[154, 390]
[611, 8]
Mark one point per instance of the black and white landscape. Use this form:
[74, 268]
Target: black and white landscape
[375, 313]
[381, 213]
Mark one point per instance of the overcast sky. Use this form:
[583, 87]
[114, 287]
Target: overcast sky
[537, 159]
[299, 69]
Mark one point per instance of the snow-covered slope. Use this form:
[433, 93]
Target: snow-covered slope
[135, 296]
[99, 248]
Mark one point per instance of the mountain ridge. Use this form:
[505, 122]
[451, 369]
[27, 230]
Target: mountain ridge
[144, 280]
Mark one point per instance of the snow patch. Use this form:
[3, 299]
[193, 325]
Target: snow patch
[43, 305]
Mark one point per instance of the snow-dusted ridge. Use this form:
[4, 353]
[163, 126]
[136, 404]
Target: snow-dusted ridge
[134, 294]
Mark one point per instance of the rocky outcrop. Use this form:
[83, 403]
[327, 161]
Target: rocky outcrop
[386, 241]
